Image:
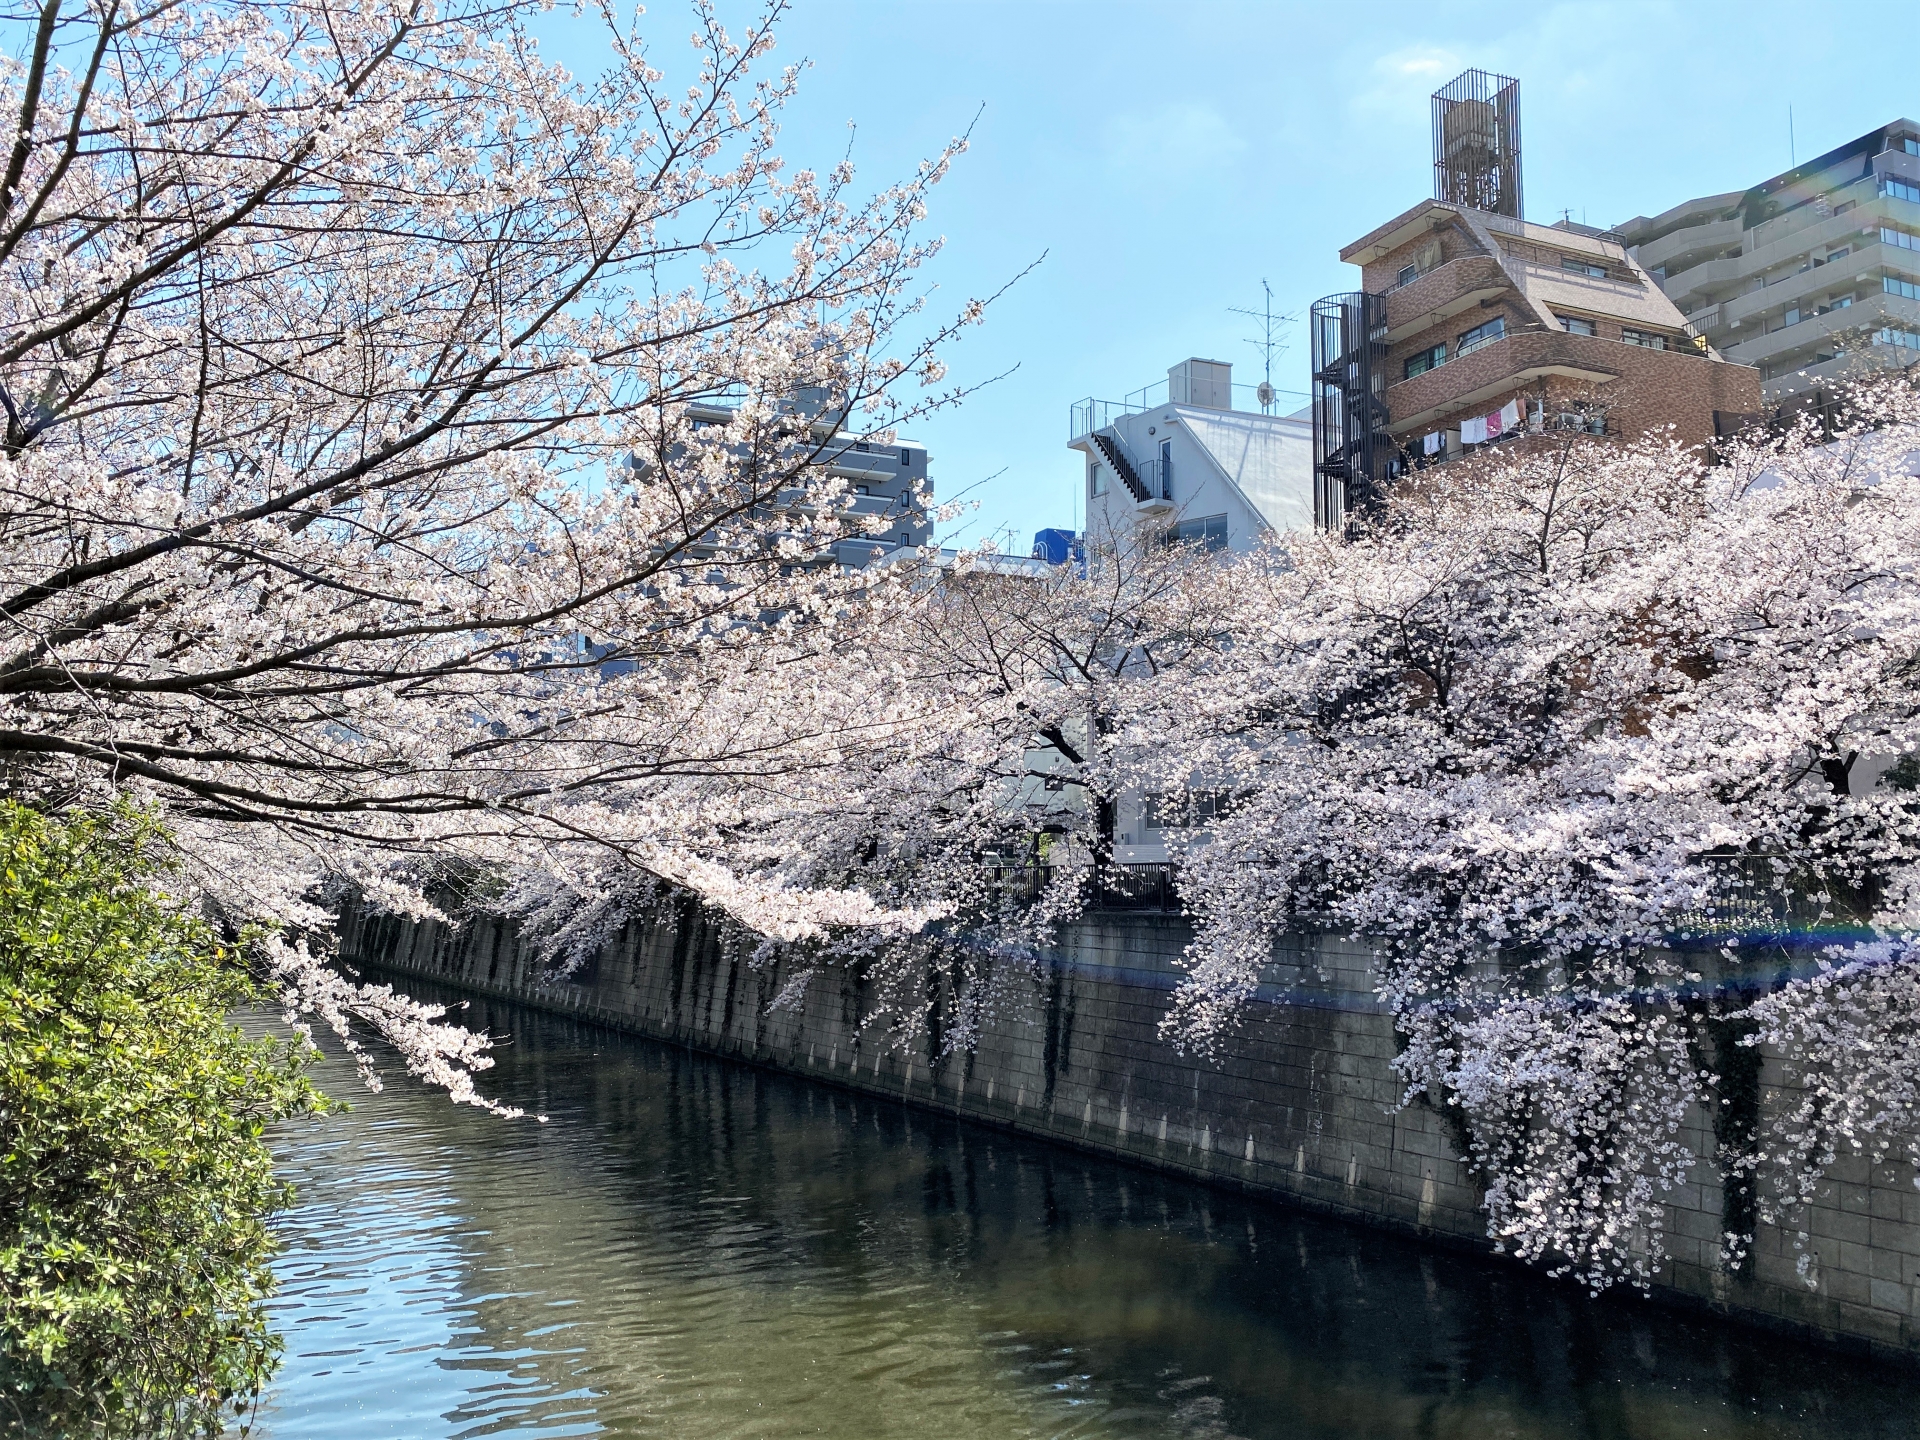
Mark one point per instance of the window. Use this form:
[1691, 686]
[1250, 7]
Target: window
[1645, 339]
[1899, 189]
[1480, 335]
[1210, 805]
[1210, 531]
[1202, 807]
[1905, 239]
[1843, 207]
[1584, 267]
[1576, 324]
[1908, 339]
[1792, 317]
[1166, 469]
[1408, 274]
[1424, 361]
[1840, 254]
[1096, 481]
[1908, 144]
[1896, 286]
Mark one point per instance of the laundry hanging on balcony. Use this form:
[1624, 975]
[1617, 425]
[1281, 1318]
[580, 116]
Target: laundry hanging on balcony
[1474, 431]
[1433, 444]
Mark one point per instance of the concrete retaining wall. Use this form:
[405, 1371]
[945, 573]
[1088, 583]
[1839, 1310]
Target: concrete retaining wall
[1301, 1108]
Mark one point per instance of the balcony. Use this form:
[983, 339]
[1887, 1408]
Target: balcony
[1690, 245]
[1862, 266]
[1442, 293]
[1868, 314]
[865, 460]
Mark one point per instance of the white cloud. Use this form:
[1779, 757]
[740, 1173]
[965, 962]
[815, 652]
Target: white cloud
[1403, 79]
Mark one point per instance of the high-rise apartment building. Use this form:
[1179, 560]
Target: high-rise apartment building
[889, 489]
[1473, 327]
[1811, 276]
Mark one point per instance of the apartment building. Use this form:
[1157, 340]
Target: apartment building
[887, 476]
[1203, 458]
[1812, 276]
[1474, 327]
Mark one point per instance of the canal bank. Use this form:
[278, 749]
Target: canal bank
[696, 1249]
[1301, 1107]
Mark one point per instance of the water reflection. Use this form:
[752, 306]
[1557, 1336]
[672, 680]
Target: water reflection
[693, 1249]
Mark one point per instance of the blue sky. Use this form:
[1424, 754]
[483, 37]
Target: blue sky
[1168, 157]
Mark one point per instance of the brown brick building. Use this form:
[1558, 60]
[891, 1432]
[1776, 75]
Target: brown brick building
[1474, 328]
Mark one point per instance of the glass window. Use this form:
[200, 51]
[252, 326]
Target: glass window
[1905, 239]
[1909, 144]
[1097, 480]
[1408, 274]
[1645, 339]
[1584, 267]
[1166, 469]
[1576, 324]
[1424, 361]
[1896, 286]
[1480, 335]
[1210, 531]
[1907, 339]
[1899, 189]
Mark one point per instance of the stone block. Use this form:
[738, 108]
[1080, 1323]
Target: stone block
[1839, 1225]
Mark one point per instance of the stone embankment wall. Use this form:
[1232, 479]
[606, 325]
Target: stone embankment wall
[1302, 1107]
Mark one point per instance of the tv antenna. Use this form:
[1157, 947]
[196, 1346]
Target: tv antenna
[1266, 345]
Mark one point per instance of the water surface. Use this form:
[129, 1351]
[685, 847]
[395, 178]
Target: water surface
[694, 1249]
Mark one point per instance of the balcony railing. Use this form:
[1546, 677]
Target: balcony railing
[1091, 414]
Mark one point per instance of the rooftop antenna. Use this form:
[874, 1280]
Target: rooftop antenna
[1266, 345]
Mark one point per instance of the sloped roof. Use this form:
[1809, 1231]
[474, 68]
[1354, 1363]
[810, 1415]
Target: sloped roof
[1268, 458]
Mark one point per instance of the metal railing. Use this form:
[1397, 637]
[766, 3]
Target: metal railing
[1114, 887]
[1086, 416]
[1767, 894]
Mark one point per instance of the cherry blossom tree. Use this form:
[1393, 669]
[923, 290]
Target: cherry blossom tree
[1580, 736]
[980, 821]
[411, 451]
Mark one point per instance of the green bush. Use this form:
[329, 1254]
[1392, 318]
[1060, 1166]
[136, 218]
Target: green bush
[134, 1178]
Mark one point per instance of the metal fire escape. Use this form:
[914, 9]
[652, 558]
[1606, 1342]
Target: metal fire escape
[1109, 447]
[1351, 446]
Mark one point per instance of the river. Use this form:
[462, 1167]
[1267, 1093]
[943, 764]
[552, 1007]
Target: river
[691, 1248]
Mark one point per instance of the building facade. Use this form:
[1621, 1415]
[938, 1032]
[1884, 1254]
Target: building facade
[1472, 328]
[1812, 276]
[891, 491]
[1202, 458]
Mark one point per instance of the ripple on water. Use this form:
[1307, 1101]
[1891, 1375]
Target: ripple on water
[693, 1250]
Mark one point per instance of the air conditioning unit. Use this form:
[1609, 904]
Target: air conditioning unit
[1205, 383]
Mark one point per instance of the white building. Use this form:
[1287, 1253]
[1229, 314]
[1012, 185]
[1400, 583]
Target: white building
[1199, 456]
[1200, 459]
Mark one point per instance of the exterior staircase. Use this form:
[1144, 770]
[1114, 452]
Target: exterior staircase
[1110, 450]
